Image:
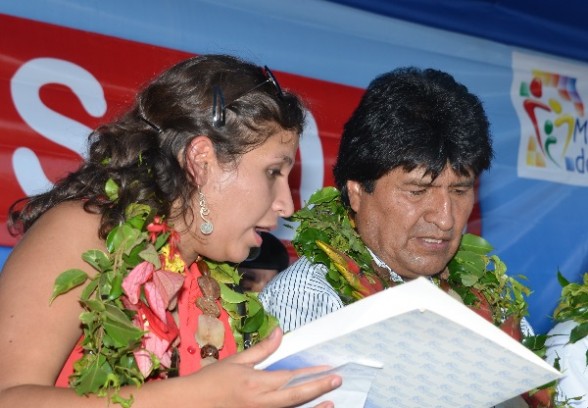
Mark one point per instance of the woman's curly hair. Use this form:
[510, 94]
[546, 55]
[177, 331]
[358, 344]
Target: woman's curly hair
[144, 150]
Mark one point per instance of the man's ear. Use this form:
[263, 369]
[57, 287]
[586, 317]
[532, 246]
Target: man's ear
[354, 191]
[199, 156]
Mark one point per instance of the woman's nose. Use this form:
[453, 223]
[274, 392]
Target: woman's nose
[284, 204]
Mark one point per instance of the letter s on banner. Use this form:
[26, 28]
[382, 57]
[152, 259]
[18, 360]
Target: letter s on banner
[25, 86]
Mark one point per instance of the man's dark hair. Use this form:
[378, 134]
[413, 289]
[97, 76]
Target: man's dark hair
[412, 118]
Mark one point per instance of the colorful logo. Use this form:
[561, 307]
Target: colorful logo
[554, 127]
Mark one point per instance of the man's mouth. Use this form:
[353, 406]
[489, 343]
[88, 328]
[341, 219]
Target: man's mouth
[433, 240]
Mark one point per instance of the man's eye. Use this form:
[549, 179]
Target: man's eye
[418, 192]
[461, 191]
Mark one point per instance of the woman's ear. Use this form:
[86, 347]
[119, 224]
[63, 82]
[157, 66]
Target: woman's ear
[198, 158]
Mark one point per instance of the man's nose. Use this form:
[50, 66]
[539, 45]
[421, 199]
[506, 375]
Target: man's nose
[440, 210]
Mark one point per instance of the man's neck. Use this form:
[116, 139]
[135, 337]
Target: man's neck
[384, 271]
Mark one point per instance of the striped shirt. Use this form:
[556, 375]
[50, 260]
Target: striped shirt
[300, 294]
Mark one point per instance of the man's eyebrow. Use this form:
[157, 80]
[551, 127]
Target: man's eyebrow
[423, 182]
[464, 182]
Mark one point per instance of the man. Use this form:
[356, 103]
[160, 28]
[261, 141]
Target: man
[259, 269]
[409, 158]
[408, 161]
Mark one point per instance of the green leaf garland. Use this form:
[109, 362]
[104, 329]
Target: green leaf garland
[109, 334]
[324, 218]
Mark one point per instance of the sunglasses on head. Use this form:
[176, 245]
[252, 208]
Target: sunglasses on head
[219, 107]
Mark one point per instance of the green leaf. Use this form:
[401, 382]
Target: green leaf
[120, 328]
[269, 324]
[133, 258]
[233, 310]
[161, 240]
[66, 281]
[94, 305]
[323, 195]
[253, 323]
[104, 286]
[474, 243]
[113, 239]
[253, 303]
[469, 279]
[122, 238]
[472, 260]
[136, 222]
[97, 259]
[88, 318]
[562, 280]
[535, 342]
[149, 254]
[89, 289]
[111, 189]
[224, 273]
[93, 377]
[127, 362]
[136, 210]
[489, 279]
[334, 276]
[116, 287]
[579, 332]
[123, 402]
[230, 296]
[136, 215]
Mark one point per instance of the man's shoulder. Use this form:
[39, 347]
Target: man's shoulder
[301, 276]
[300, 294]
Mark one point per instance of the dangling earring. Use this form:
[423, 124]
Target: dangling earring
[206, 227]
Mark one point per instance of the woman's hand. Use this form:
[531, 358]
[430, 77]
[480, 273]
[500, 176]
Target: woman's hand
[233, 382]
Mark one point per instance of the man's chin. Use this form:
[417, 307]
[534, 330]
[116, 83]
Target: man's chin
[422, 271]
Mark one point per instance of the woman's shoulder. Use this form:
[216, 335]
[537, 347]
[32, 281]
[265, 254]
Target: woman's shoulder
[52, 245]
[68, 218]
[60, 235]
[72, 210]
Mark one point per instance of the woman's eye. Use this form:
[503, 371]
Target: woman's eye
[274, 173]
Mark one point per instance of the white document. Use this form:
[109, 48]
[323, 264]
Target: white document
[352, 393]
[431, 350]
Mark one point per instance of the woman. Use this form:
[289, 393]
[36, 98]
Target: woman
[207, 147]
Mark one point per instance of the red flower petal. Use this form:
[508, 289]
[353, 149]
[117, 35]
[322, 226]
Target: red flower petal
[137, 277]
[168, 331]
[156, 301]
[159, 347]
[143, 359]
[168, 283]
[161, 290]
